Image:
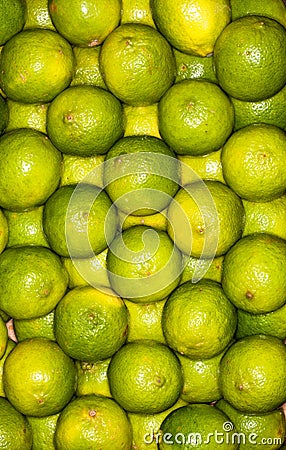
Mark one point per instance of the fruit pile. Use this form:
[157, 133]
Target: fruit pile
[142, 224]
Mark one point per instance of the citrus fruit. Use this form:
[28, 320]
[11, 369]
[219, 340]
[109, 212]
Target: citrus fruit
[205, 219]
[145, 377]
[26, 227]
[141, 175]
[9, 347]
[90, 325]
[38, 15]
[76, 169]
[198, 320]
[12, 19]
[142, 120]
[39, 378]
[210, 269]
[143, 264]
[201, 379]
[27, 115]
[137, 64]
[275, 10]
[196, 426]
[137, 11]
[256, 429]
[85, 24]
[15, 431]
[146, 427]
[43, 429]
[103, 424]
[249, 57]
[92, 378]
[195, 117]
[79, 220]
[144, 321]
[252, 374]
[84, 120]
[253, 161]
[30, 169]
[35, 66]
[207, 167]
[32, 281]
[42, 326]
[157, 220]
[194, 67]
[4, 235]
[253, 275]
[4, 114]
[272, 323]
[266, 217]
[87, 70]
[191, 26]
[3, 337]
[270, 110]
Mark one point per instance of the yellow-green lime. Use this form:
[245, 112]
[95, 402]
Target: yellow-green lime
[266, 217]
[84, 120]
[15, 431]
[85, 24]
[270, 110]
[194, 67]
[30, 169]
[12, 19]
[145, 377]
[266, 429]
[87, 70]
[253, 374]
[201, 379]
[93, 421]
[196, 426]
[141, 175]
[4, 234]
[157, 220]
[32, 281]
[211, 269]
[92, 378]
[249, 57]
[3, 337]
[144, 321]
[142, 120]
[137, 64]
[39, 378]
[4, 114]
[27, 115]
[207, 167]
[253, 161]
[254, 273]
[137, 11]
[90, 325]
[79, 221]
[205, 219]
[9, 347]
[275, 9]
[195, 117]
[273, 323]
[191, 26]
[35, 66]
[42, 326]
[144, 265]
[26, 227]
[77, 169]
[38, 15]
[198, 320]
[43, 429]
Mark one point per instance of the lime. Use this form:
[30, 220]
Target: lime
[254, 273]
[9, 347]
[90, 325]
[84, 120]
[137, 11]
[30, 169]
[92, 378]
[103, 424]
[15, 431]
[137, 64]
[194, 67]
[145, 377]
[12, 19]
[3, 337]
[249, 57]
[144, 321]
[32, 281]
[87, 70]
[272, 323]
[35, 66]
[198, 320]
[4, 114]
[27, 115]
[76, 169]
[141, 175]
[144, 265]
[207, 167]
[38, 15]
[39, 378]
[275, 10]
[253, 374]
[43, 429]
[210, 270]
[4, 235]
[195, 117]
[42, 326]
[142, 120]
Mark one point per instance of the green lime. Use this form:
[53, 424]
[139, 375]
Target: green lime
[273, 323]
[3, 337]
[4, 114]
[9, 347]
[12, 18]
[144, 321]
[43, 430]
[42, 326]
[92, 378]
[38, 15]
[4, 231]
[274, 9]
[194, 67]
[15, 431]
[87, 70]
[27, 115]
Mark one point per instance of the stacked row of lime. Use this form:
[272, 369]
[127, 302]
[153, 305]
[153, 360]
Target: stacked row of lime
[55, 233]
